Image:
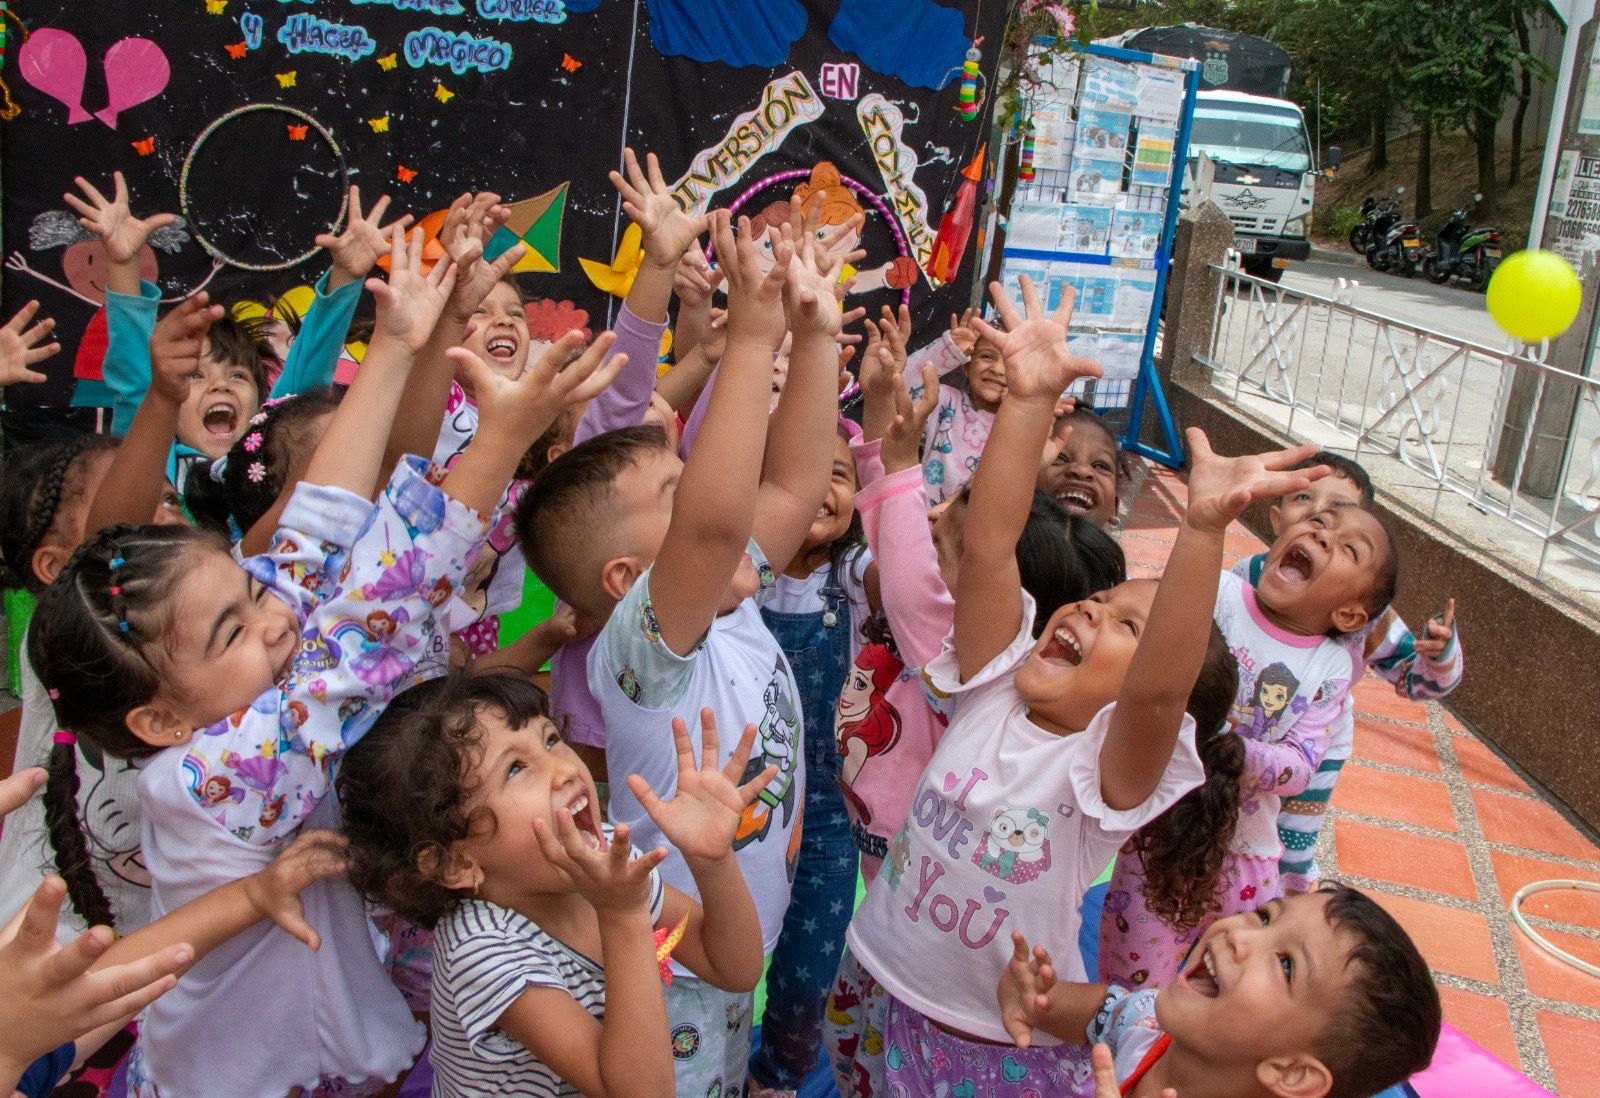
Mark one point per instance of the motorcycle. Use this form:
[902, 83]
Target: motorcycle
[1459, 252]
[1393, 244]
[1370, 210]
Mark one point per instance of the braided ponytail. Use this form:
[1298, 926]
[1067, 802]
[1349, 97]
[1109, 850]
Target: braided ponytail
[37, 481]
[1183, 850]
[67, 838]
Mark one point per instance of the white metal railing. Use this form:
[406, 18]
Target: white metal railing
[1428, 413]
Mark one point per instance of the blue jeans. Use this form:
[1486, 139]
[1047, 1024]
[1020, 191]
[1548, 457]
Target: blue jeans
[823, 897]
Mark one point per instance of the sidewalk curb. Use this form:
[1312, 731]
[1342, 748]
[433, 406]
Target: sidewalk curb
[1342, 258]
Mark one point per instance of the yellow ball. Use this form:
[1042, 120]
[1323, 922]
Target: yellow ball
[1534, 295]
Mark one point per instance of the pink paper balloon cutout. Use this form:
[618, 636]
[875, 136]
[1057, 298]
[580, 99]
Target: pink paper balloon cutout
[53, 61]
[136, 70]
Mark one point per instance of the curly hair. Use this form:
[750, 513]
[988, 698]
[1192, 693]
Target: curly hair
[1183, 850]
[406, 794]
[839, 204]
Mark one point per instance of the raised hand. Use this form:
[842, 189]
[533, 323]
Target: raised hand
[1220, 488]
[696, 280]
[962, 332]
[755, 296]
[16, 789]
[275, 891]
[1437, 634]
[52, 997]
[177, 344]
[526, 405]
[902, 440]
[470, 222]
[410, 302]
[356, 250]
[668, 232]
[1024, 990]
[112, 220]
[702, 817]
[22, 346]
[1034, 346]
[606, 876]
[808, 300]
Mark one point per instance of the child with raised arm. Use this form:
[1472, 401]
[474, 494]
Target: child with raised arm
[1421, 668]
[468, 813]
[1058, 749]
[1316, 995]
[672, 567]
[238, 686]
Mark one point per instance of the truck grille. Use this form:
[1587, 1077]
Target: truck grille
[1250, 223]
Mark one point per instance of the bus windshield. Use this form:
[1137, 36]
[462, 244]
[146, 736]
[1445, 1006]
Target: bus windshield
[1250, 135]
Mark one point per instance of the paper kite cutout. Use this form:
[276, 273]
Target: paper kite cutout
[570, 63]
[145, 147]
[616, 278]
[286, 79]
[535, 222]
[237, 50]
[297, 133]
[442, 93]
[215, 7]
[404, 173]
[388, 61]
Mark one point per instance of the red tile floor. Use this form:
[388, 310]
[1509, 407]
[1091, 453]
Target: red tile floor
[1441, 831]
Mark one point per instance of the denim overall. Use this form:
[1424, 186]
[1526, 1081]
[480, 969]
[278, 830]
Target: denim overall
[823, 895]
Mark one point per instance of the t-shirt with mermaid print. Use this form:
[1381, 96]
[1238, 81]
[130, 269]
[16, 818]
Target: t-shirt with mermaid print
[1006, 832]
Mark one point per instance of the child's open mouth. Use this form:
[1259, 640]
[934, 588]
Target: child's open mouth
[1295, 566]
[587, 823]
[1079, 499]
[501, 348]
[220, 420]
[1063, 648]
[1202, 978]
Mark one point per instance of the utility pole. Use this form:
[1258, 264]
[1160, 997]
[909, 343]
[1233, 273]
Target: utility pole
[1573, 141]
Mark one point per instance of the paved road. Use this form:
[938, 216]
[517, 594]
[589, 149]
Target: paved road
[1450, 310]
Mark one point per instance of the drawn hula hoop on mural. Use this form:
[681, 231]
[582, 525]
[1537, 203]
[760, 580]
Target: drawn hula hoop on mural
[840, 194]
[241, 208]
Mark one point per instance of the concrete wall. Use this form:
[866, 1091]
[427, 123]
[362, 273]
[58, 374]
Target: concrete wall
[1532, 687]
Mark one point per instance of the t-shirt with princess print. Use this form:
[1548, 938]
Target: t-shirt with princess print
[1127, 1023]
[1007, 830]
[738, 672]
[1291, 687]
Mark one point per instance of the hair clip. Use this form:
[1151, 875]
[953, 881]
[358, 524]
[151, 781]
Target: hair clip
[63, 736]
[123, 625]
[55, 695]
[118, 562]
[116, 589]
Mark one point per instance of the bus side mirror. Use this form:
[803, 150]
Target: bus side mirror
[1334, 155]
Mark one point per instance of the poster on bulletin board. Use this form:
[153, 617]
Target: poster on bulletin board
[249, 118]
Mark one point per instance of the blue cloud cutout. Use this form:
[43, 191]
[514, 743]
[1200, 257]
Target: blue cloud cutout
[741, 33]
[916, 40]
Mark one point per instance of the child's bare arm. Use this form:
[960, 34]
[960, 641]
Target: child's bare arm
[714, 509]
[534, 648]
[351, 454]
[681, 386]
[796, 467]
[132, 488]
[1038, 370]
[1155, 693]
[1030, 998]
[122, 234]
[722, 938]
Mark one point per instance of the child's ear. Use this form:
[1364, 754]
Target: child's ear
[1350, 617]
[1275, 518]
[1298, 1076]
[555, 450]
[157, 724]
[618, 575]
[48, 560]
[460, 870]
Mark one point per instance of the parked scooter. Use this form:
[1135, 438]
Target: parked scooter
[1393, 244]
[1468, 254]
[1371, 210]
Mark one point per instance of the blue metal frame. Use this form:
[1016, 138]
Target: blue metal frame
[1147, 386]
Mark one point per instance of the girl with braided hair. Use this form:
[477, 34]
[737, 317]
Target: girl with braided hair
[47, 494]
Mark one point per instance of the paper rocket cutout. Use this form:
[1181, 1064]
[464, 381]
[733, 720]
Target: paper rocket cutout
[616, 278]
[535, 222]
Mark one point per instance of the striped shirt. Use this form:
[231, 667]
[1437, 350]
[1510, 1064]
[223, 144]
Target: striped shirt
[485, 957]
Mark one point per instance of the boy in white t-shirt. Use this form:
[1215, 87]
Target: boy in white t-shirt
[669, 555]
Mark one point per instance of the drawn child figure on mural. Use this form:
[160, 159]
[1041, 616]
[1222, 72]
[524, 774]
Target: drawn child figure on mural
[840, 207]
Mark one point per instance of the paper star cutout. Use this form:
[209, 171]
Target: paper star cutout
[236, 50]
[405, 174]
[442, 93]
[214, 7]
[570, 63]
[286, 79]
[145, 147]
[388, 61]
[297, 133]
[616, 277]
[380, 124]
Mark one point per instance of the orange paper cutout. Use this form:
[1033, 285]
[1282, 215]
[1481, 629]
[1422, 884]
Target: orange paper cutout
[405, 174]
[297, 133]
[236, 50]
[570, 63]
[145, 147]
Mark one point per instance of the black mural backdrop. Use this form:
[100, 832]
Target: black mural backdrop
[422, 99]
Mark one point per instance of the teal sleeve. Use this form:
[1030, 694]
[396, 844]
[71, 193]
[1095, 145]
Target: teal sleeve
[130, 322]
[315, 351]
